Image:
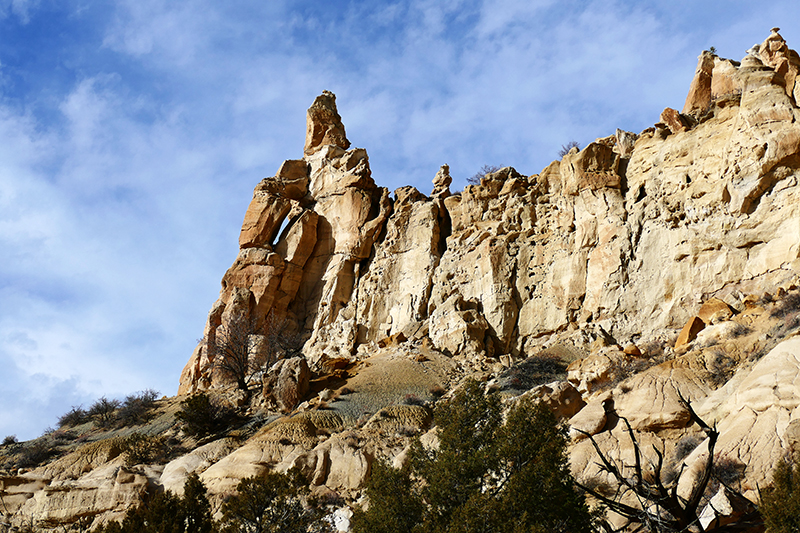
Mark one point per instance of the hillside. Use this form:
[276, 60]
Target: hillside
[635, 271]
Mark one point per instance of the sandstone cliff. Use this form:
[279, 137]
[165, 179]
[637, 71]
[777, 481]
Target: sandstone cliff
[629, 235]
[655, 265]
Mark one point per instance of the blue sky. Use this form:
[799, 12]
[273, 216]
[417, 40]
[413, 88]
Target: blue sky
[133, 132]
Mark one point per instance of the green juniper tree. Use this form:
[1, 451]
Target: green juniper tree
[485, 477]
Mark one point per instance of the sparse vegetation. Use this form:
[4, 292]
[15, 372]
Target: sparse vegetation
[721, 367]
[533, 371]
[780, 503]
[9, 440]
[565, 148]
[102, 411]
[647, 497]
[143, 449]
[35, 453]
[475, 179]
[202, 415]
[163, 512]
[272, 503]
[413, 399]
[137, 407]
[75, 416]
[242, 348]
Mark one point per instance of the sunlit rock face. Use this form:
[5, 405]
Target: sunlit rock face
[629, 233]
[662, 242]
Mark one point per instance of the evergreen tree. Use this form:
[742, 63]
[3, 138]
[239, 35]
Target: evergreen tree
[396, 514]
[270, 503]
[485, 477]
[780, 504]
[164, 512]
[196, 507]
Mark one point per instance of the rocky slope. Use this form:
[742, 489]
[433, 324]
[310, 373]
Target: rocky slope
[654, 265]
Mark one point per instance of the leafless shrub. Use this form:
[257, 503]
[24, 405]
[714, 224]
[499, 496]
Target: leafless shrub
[721, 368]
[413, 399]
[475, 179]
[565, 148]
[9, 440]
[35, 453]
[74, 417]
[137, 407]
[533, 371]
[241, 348]
[789, 305]
[655, 504]
[686, 446]
[739, 330]
[102, 411]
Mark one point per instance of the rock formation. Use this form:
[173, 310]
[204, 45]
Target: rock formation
[681, 244]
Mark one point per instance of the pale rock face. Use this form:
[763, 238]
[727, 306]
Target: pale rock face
[754, 413]
[631, 234]
[197, 461]
[560, 396]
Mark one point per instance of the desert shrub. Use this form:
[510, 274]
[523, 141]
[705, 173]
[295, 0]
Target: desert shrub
[739, 330]
[565, 148]
[720, 368]
[475, 179]
[62, 436]
[413, 399]
[9, 440]
[35, 453]
[102, 411]
[726, 470]
[788, 305]
[686, 446]
[271, 503]
[137, 407]
[75, 416]
[780, 503]
[202, 415]
[143, 449]
[533, 371]
[437, 391]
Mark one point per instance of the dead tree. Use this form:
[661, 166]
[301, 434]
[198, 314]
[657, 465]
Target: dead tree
[656, 505]
[241, 348]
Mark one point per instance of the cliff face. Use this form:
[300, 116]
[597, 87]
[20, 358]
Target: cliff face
[658, 266]
[625, 238]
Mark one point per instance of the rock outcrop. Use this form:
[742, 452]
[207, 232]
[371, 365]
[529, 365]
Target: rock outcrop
[681, 244]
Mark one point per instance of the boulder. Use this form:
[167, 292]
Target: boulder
[286, 383]
[689, 331]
